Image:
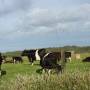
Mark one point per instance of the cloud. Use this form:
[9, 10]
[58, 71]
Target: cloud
[13, 5]
[67, 20]
[24, 26]
[36, 21]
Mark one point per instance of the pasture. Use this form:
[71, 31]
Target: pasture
[76, 76]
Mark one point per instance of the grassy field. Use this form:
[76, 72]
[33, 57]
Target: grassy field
[27, 77]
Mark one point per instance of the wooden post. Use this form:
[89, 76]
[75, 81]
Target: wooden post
[62, 55]
[72, 55]
[63, 64]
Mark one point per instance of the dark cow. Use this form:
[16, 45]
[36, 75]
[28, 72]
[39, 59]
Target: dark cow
[0, 64]
[50, 61]
[17, 59]
[1, 71]
[87, 59]
[34, 54]
[0, 61]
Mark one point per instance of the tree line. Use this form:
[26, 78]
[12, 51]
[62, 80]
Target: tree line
[76, 49]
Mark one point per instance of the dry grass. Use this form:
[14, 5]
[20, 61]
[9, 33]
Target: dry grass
[66, 81]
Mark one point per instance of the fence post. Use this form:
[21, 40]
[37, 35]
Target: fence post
[63, 60]
[63, 55]
[72, 55]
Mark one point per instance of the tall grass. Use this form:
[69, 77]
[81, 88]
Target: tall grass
[66, 81]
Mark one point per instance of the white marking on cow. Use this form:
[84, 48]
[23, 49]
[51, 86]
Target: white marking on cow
[70, 59]
[32, 64]
[3, 61]
[46, 55]
[49, 71]
[37, 55]
[43, 71]
[14, 61]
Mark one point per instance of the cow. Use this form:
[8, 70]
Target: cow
[0, 64]
[17, 59]
[67, 56]
[50, 61]
[87, 59]
[33, 54]
[1, 59]
[4, 58]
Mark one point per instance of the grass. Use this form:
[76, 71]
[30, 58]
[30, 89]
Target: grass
[77, 66]
[76, 76]
[13, 69]
[68, 81]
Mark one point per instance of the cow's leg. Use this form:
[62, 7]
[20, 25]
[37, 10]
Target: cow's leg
[3, 61]
[49, 72]
[0, 67]
[70, 59]
[21, 61]
[0, 70]
[14, 61]
[32, 64]
[32, 61]
[59, 69]
[43, 70]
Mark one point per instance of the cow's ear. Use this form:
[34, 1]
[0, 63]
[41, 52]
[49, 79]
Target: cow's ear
[25, 49]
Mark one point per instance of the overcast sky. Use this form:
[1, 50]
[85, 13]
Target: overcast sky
[43, 23]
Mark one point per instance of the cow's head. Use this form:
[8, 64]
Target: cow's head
[25, 53]
[0, 54]
[42, 52]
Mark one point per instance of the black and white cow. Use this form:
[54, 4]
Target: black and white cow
[34, 55]
[67, 56]
[17, 59]
[50, 61]
[47, 60]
